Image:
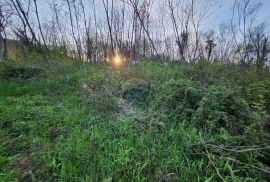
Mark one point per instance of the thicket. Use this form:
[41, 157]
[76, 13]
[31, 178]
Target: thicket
[208, 122]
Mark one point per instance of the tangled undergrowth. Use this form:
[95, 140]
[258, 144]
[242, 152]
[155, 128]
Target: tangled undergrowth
[147, 123]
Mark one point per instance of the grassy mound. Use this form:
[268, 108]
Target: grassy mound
[135, 90]
[222, 108]
[209, 109]
[9, 71]
[178, 99]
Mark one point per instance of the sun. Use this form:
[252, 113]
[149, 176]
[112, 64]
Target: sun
[117, 60]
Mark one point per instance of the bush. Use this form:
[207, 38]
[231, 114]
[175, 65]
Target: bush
[213, 109]
[222, 108]
[258, 96]
[178, 98]
[257, 133]
[135, 90]
[204, 72]
[8, 71]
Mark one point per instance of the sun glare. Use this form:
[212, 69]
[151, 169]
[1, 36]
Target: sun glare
[117, 60]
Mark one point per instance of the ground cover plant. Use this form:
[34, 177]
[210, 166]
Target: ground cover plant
[134, 90]
[146, 123]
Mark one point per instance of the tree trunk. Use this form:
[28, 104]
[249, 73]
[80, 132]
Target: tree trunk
[2, 46]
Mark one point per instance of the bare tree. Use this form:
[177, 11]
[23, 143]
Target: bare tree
[187, 18]
[63, 40]
[224, 48]
[210, 44]
[200, 11]
[176, 31]
[243, 20]
[134, 5]
[5, 15]
[261, 46]
[23, 16]
[89, 42]
[77, 42]
[39, 26]
[106, 7]
[96, 31]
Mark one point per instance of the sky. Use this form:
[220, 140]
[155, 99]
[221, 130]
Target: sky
[222, 15]
[225, 14]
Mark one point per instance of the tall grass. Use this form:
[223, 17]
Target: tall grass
[52, 128]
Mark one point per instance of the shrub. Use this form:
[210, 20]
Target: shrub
[178, 98]
[8, 71]
[257, 133]
[213, 109]
[258, 96]
[222, 108]
[135, 90]
[204, 72]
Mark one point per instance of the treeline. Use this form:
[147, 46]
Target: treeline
[178, 30]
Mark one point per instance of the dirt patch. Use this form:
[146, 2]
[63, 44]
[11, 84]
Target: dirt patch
[126, 107]
[53, 133]
[22, 165]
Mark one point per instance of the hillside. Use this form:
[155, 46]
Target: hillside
[208, 122]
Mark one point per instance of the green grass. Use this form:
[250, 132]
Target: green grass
[54, 129]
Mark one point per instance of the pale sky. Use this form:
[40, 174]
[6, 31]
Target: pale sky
[221, 15]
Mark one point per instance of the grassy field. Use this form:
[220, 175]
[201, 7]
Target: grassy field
[89, 122]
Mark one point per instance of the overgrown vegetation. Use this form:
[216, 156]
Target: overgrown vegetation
[134, 90]
[147, 123]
